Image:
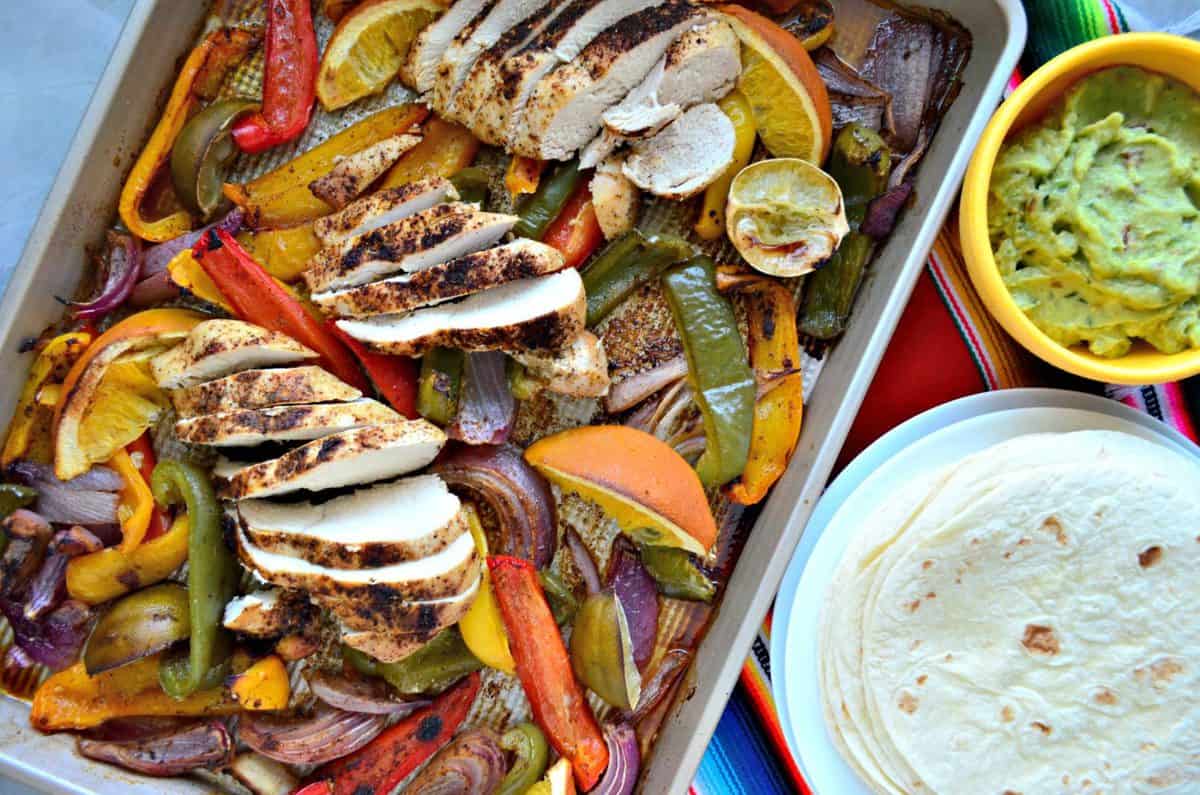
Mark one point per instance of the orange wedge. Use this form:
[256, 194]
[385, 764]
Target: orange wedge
[640, 481]
[788, 98]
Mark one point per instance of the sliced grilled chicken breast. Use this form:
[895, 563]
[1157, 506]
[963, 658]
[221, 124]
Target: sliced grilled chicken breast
[462, 53]
[578, 370]
[268, 613]
[385, 524]
[385, 645]
[382, 208]
[492, 99]
[687, 156]
[349, 458]
[386, 610]
[544, 313]
[304, 422]
[703, 65]
[520, 259]
[565, 108]
[216, 348]
[420, 68]
[254, 389]
[436, 235]
[354, 173]
[615, 199]
[447, 573]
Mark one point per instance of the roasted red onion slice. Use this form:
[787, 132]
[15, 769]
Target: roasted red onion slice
[47, 588]
[154, 289]
[661, 680]
[882, 211]
[28, 537]
[56, 639]
[122, 265]
[515, 492]
[158, 257]
[624, 761]
[200, 745]
[472, 764]
[326, 734]
[634, 586]
[368, 696]
[583, 561]
[630, 391]
[89, 499]
[486, 408]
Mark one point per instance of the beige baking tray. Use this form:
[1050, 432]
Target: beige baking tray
[81, 206]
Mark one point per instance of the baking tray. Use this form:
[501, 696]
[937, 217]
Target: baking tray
[80, 207]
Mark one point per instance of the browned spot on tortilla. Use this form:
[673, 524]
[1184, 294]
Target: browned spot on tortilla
[929, 564]
[1052, 525]
[916, 644]
[1010, 792]
[1105, 696]
[922, 679]
[1043, 728]
[1040, 640]
[1007, 714]
[948, 657]
[913, 605]
[1150, 556]
[1025, 541]
[907, 702]
[1066, 779]
[931, 595]
[1167, 778]
[1161, 671]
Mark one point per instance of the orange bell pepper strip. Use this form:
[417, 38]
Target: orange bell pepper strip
[108, 573]
[575, 232]
[523, 175]
[262, 686]
[70, 699]
[395, 377]
[775, 357]
[50, 366]
[136, 502]
[445, 149]
[141, 451]
[207, 63]
[258, 298]
[544, 668]
[380, 765]
[281, 198]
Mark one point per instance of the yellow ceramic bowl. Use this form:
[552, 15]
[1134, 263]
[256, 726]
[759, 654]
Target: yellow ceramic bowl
[1169, 55]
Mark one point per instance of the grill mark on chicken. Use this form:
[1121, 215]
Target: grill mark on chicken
[445, 222]
[631, 31]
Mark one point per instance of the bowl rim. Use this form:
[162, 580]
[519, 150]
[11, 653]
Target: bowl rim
[1150, 367]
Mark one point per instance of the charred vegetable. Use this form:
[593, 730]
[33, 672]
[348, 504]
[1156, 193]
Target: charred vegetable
[432, 668]
[602, 651]
[440, 384]
[203, 152]
[527, 744]
[551, 197]
[472, 763]
[472, 185]
[170, 753]
[677, 574]
[625, 265]
[138, 626]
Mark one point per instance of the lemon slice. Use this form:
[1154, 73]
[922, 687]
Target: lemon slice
[368, 47]
[785, 216]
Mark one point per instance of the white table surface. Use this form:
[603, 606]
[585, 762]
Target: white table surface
[51, 55]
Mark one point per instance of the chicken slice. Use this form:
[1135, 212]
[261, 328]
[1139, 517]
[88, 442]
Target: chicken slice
[256, 389]
[702, 66]
[684, 158]
[389, 611]
[385, 207]
[462, 53]
[493, 97]
[436, 235]
[614, 198]
[579, 370]
[268, 613]
[304, 422]
[564, 110]
[216, 348]
[446, 573]
[520, 259]
[545, 313]
[355, 172]
[349, 458]
[377, 526]
[386, 645]
[420, 67]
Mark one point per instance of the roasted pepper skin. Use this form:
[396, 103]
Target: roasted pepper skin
[717, 368]
[108, 573]
[212, 569]
[576, 232]
[711, 224]
[528, 745]
[141, 453]
[544, 668]
[551, 197]
[432, 668]
[861, 164]
[440, 383]
[289, 79]
[677, 574]
[625, 265]
[51, 366]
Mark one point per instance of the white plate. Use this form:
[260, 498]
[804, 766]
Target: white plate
[933, 439]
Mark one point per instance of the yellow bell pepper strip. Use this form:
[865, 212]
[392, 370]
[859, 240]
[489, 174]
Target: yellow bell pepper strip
[445, 149]
[56, 358]
[283, 252]
[281, 198]
[136, 504]
[100, 576]
[483, 626]
[711, 224]
[218, 52]
[523, 175]
[70, 699]
[775, 357]
[186, 272]
[262, 686]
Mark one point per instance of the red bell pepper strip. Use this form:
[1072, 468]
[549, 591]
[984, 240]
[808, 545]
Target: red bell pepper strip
[395, 377]
[142, 450]
[575, 232]
[377, 767]
[316, 788]
[544, 668]
[258, 298]
[289, 79]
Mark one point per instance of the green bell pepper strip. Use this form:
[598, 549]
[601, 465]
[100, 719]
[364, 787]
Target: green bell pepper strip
[202, 153]
[472, 185]
[676, 574]
[625, 265]
[439, 385]
[562, 601]
[13, 497]
[431, 669]
[718, 368]
[528, 745]
[544, 206]
[212, 569]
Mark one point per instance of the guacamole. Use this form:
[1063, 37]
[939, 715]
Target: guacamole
[1093, 214]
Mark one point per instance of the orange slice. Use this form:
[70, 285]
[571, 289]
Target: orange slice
[641, 482]
[788, 98]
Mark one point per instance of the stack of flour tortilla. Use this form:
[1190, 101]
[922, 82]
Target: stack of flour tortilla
[1026, 621]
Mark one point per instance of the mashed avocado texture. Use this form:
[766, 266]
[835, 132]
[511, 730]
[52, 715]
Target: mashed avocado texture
[1093, 214]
